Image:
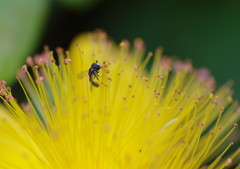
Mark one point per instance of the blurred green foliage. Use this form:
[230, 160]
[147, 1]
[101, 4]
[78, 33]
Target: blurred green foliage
[21, 29]
[20, 26]
[207, 32]
[78, 4]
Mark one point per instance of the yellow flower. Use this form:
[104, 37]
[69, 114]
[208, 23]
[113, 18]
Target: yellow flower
[168, 117]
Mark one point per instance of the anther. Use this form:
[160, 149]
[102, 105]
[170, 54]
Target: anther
[2, 92]
[202, 125]
[40, 61]
[8, 97]
[24, 68]
[124, 44]
[235, 125]
[135, 68]
[145, 79]
[40, 79]
[228, 162]
[26, 107]
[3, 84]
[29, 61]
[150, 54]
[59, 50]
[159, 50]
[67, 61]
[138, 44]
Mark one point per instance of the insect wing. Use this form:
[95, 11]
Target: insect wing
[82, 74]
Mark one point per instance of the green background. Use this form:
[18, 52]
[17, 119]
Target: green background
[206, 32]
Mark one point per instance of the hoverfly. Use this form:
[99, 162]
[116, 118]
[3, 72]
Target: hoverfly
[92, 74]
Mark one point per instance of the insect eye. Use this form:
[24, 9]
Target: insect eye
[96, 66]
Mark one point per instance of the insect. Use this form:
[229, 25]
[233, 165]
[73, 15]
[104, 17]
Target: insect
[93, 73]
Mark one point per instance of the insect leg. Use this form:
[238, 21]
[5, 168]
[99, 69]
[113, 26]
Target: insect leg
[96, 76]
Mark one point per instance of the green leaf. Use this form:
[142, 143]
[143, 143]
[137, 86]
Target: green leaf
[20, 29]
